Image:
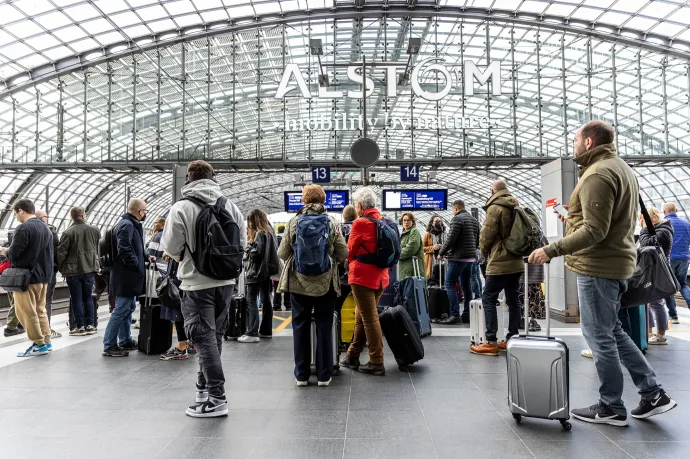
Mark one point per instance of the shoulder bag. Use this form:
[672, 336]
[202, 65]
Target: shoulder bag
[15, 279]
[653, 279]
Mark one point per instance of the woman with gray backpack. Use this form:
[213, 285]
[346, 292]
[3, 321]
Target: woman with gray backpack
[312, 247]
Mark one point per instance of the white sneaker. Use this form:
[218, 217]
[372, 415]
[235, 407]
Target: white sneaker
[303, 383]
[248, 339]
[674, 320]
[325, 383]
[658, 339]
[586, 353]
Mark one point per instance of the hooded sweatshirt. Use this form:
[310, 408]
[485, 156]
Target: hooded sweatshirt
[180, 227]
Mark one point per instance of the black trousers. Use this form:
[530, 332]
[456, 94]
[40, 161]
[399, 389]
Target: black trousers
[510, 283]
[322, 309]
[205, 319]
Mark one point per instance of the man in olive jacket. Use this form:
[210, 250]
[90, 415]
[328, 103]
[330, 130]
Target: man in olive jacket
[599, 247]
[503, 269]
[78, 262]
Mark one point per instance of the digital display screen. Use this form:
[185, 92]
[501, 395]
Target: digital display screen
[336, 200]
[415, 199]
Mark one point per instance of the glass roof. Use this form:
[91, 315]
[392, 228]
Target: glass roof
[213, 97]
[34, 33]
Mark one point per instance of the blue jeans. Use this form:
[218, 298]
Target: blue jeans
[476, 281]
[119, 327]
[458, 270]
[599, 305]
[80, 290]
[260, 290]
[680, 269]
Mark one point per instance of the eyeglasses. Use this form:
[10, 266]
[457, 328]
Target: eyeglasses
[405, 220]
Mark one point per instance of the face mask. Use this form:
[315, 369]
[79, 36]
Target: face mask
[438, 225]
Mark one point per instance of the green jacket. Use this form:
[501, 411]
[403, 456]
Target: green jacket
[496, 228]
[600, 229]
[411, 245]
[294, 282]
[78, 250]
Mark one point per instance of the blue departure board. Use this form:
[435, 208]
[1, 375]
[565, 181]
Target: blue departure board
[419, 199]
[336, 200]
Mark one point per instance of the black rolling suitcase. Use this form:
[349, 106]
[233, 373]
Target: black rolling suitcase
[439, 305]
[155, 334]
[237, 319]
[402, 336]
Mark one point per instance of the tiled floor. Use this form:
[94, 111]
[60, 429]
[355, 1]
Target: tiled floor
[75, 403]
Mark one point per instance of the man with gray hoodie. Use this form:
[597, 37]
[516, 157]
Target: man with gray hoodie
[206, 300]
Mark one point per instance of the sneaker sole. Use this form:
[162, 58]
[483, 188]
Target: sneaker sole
[178, 357]
[215, 414]
[77, 334]
[373, 373]
[610, 422]
[660, 343]
[657, 410]
[91, 333]
[115, 355]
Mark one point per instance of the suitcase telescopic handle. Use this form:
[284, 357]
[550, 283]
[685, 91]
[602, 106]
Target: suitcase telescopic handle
[525, 288]
[415, 266]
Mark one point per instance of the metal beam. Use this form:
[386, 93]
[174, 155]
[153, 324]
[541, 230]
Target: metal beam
[623, 35]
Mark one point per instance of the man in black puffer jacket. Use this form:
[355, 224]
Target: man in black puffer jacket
[461, 250]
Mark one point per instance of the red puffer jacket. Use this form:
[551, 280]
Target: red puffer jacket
[363, 234]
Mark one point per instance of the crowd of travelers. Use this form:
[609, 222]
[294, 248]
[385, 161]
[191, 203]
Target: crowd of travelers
[314, 261]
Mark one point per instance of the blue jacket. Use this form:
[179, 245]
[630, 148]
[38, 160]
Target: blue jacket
[681, 238]
[128, 274]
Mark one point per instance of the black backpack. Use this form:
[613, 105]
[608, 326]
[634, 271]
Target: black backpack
[388, 248]
[217, 253]
[106, 249]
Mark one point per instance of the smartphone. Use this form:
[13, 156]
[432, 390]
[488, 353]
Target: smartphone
[561, 210]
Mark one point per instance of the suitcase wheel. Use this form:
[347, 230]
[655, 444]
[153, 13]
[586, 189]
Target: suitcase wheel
[517, 417]
[566, 425]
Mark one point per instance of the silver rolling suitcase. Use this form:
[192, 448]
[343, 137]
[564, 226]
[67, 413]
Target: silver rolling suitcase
[538, 379]
[336, 344]
[478, 321]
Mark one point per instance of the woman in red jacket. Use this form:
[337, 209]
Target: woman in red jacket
[367, 282]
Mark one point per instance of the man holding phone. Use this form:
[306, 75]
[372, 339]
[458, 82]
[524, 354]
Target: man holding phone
[599, 247]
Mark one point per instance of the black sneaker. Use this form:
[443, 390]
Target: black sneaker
[371, 369]
[115, 351]
[660, 404]
[190, 348]
[212, 408]
[600, 414]
[452, 320]
[90, 330]
[522, 324]
[534, 326]
[349, 362]
[129, 345]
[13, 332]
[81, 331]
[201, 393]
[174, 354]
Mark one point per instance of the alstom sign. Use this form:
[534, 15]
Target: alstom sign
[469, 74]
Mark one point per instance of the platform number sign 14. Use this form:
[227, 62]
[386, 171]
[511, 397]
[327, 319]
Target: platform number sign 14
[409, 173]
[321, 174]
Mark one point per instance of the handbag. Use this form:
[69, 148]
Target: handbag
[15, 279]
[653, 279]
[167, 289]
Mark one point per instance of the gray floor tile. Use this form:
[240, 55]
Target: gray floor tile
[656, 449]
[284, 448]
[447, 381]
[504, 449]
[208, 448]
[385, 399]
[405, 425]
[316, 398]
[453, 400]
[389, 449]
[307, 424]
[33, 447]
[116, 448]
[238, 424]
[665, 427]
[259, 399]
[457, 427]
[64, 423]
[543, 429]
[575, 450]
[497, 381]
[485, 364]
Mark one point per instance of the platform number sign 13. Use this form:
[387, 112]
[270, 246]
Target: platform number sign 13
[321, 174]
[409, 173]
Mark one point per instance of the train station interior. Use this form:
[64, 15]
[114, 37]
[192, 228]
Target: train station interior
[426, 102]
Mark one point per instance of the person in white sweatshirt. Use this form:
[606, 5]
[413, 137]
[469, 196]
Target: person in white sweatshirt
[206, 300]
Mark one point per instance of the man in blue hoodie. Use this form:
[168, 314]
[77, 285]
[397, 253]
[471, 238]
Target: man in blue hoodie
[680, 257]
